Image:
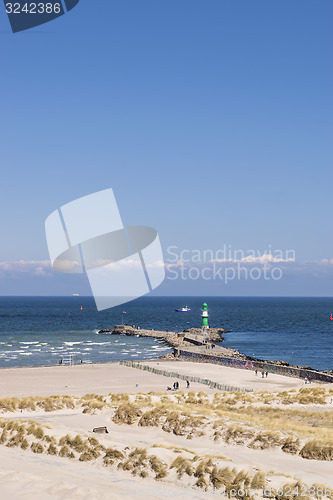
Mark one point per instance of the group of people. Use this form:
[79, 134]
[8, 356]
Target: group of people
[262, 374]
[176, 386]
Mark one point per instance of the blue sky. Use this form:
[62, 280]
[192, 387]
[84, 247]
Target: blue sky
[211, 120]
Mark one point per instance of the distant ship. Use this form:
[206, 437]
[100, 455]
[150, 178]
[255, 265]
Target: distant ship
[183, 309]
[75, 295]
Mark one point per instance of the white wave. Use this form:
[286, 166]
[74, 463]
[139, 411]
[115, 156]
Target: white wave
[37, 342]
[98, 343]
[26, 353]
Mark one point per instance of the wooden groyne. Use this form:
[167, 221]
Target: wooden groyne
[181, 376]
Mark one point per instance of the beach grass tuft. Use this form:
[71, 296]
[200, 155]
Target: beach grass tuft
[127, 414]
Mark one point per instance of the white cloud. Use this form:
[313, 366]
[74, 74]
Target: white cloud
[32, 267]
[250, 259]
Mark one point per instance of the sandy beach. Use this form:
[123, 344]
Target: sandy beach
[195, 435]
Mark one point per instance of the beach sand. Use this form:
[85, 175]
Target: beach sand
[24, 474]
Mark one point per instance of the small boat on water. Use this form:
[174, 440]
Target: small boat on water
[183, 309]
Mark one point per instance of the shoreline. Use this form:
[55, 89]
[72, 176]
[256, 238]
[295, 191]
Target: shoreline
[190, 345]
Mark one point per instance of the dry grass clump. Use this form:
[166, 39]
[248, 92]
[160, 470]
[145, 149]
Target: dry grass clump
[127, 414]
[264, 440]
[240, 485]
[89, 454]
[200, 398]
[51, 403]
[13, 434]
[89, 449]
[302, 423]
[24, 444]
[91, 403]
[293, 491]
[143, 399]
[52, 450]
[204, 467]
[152, 418]
[36, 430]
[66, 452]
[182, 466]
[258, 481]
[291, 445]
[237, 434]
[119, 398]
[65, 440]
[4, 436]
[77, 444]
[138, 462]
[37, 448]
[229, 479]
[312, 395]
[317, 451]
[112, 455]
[221, 477]
[50, 439]
[27, 403]
[158, 467]
[54, 403]
[9, 404]
[14, 441]
[183, 424]
[306, 395]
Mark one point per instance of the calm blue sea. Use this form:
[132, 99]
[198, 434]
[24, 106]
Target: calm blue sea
[41, 330]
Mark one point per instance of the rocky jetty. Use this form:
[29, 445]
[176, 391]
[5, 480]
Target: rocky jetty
[174, 339]
[214, 334]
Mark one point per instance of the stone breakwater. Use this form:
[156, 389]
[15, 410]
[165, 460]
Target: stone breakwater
[249, 363]
[187, 338]
[191, 345]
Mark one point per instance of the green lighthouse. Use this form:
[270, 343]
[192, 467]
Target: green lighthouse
[204, 316]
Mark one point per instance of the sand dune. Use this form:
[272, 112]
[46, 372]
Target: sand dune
[33, 476]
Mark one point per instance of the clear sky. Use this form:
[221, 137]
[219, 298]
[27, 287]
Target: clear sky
[210, 119]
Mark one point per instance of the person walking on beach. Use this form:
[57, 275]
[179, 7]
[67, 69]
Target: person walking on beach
[187, 383]
[262, 374]
[266, 374]
[256, 372]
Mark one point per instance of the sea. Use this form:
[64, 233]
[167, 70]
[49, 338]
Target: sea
[41, 331]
